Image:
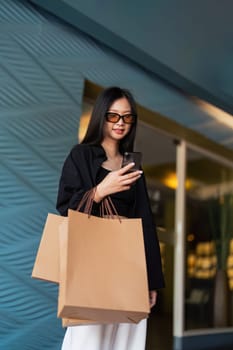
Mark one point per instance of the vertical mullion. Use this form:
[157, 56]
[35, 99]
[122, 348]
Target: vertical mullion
[179, 247]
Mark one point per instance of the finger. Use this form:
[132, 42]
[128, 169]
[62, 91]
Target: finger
[126, 168]
[133, 174]
[153, 297]
[152, 302]
[125, 188]
[131, 177]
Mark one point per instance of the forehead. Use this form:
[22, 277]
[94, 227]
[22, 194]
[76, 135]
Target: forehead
[120, 105]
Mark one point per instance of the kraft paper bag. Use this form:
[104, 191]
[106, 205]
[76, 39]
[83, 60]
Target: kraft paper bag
[46, 266]
[103, 274]
[47, 263]
[68, 322]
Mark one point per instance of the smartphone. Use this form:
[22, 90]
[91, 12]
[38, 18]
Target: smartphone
[130, 157]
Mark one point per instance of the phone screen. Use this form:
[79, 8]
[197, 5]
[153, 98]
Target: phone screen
[130, 157]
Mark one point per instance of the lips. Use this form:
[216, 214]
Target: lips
[119, 131]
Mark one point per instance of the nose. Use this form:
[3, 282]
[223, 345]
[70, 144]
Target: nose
[120, 121]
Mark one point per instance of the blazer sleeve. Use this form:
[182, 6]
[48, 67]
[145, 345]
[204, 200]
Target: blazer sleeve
[152, 249]
[72, 185]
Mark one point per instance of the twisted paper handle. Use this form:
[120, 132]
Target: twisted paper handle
[87, 201]
[106, 207]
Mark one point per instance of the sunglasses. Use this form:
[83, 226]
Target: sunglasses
[115, 117]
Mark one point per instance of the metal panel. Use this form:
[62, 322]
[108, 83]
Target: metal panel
[161, 37]
[39, 110]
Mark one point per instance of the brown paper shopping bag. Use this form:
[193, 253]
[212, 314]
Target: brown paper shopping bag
[69, 322]
[103, 277]
[47, 262]
[46, 266]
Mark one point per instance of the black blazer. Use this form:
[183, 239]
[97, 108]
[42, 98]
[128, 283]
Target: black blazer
[79, 175]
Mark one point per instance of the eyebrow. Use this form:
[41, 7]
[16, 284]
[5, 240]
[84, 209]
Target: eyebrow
[115, 110]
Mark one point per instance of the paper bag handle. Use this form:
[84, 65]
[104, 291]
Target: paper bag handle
[106, 206]
[87, 201]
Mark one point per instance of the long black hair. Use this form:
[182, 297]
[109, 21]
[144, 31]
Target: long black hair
[94, 134]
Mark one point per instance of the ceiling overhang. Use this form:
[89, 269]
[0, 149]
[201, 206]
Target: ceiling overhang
[165, 40]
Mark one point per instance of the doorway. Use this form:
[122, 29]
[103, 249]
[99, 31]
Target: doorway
[159, 165]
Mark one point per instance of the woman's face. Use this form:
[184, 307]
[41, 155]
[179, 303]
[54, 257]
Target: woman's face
[118, 130]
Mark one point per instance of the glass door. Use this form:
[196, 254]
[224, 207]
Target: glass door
[159, 165]
[209, 243]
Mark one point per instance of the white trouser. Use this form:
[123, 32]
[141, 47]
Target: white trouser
[120, 336]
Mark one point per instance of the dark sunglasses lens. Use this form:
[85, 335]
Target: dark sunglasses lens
[112, 117]
[129, 118]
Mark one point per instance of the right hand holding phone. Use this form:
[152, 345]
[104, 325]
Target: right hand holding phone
[117, 181]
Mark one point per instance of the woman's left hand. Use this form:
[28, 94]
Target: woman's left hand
[152, 297]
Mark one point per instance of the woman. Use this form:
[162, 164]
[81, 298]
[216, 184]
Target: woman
[96, 162]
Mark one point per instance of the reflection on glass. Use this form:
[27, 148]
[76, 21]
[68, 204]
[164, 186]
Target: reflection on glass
[209, 243]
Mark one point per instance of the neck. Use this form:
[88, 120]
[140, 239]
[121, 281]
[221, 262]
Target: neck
[111, 148]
